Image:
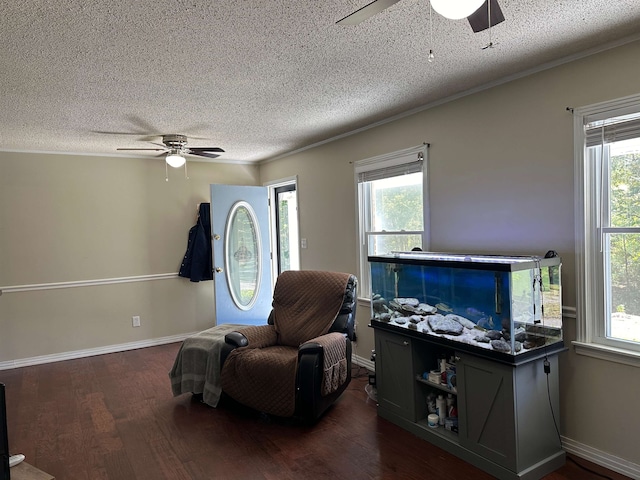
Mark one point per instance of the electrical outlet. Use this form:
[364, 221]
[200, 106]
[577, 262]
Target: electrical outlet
[135, 320]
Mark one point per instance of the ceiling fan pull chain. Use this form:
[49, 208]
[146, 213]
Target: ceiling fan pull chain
[185, 171]
[431, 56]
[166, 172]
[489, 13]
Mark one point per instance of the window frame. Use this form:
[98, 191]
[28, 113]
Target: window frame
[389, 160]
[272, 188]
[591, 324]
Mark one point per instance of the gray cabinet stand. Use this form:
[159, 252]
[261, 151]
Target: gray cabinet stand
[505, 421]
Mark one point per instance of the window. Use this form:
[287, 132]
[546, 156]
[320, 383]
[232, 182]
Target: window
[608, 230]
[286, 220]
[283, 202]
[391, 206]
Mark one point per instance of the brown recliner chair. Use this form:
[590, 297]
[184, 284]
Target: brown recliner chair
[300, 362]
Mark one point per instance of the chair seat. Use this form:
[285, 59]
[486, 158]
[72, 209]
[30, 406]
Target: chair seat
[270, 369]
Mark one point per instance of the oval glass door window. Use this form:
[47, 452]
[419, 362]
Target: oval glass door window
[242, 255]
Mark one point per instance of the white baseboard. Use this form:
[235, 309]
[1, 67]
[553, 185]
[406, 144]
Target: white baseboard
[604, 459]
[89, 352]
[363, 362]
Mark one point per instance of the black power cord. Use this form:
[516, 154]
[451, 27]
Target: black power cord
[358, 371]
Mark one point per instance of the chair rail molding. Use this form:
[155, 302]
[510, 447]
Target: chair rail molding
[86, 283]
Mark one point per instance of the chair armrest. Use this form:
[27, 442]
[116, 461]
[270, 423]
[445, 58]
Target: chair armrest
[318, 344]
[310, 348]
[250, 337]
[236, 339]
[313, 362]
[258, 336]
[328, 353]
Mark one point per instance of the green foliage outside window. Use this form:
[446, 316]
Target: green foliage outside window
[396, 209]
[624, 248]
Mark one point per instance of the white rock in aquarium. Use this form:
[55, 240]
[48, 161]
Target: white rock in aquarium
[425, 309]
[423, 326]
[465, 322]
[500, 346]
[440, 324]
[481, 338]
[412, 302]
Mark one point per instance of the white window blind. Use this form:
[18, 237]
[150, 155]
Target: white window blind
[391, 171]
[621, 128]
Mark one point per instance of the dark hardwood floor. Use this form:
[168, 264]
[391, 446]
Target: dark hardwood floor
[113, 417]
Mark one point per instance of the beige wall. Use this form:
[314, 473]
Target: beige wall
[501, 181]
[72, 218]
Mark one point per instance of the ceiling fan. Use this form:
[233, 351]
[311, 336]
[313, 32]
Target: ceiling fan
[175, 146]
[480, 15]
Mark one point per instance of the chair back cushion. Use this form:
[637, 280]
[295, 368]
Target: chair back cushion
[305, 304]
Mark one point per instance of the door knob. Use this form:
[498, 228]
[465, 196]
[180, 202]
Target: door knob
[219, 270]
[216, 237]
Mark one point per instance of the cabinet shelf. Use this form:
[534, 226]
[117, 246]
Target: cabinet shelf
[440, 431]
[438, 386]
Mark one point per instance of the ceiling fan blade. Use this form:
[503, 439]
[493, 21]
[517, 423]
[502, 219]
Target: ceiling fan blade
[118, 133]
[205, 149]
[141, 124]
[151, 149]
[479, 20]
[365, 12]
[208, 152]
[205, 154]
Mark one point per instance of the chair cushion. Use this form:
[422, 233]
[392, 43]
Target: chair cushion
[305, 304]
[268, 378]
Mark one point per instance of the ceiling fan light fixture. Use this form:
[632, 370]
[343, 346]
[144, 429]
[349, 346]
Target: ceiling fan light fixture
[175, 160]
[456, 9]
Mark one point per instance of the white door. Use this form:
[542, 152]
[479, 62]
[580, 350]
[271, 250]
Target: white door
[241, 254]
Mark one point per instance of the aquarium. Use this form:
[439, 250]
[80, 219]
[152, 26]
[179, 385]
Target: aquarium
[504, 304]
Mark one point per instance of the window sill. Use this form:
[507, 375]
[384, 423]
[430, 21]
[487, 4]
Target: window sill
[365, 302]
[611, 354]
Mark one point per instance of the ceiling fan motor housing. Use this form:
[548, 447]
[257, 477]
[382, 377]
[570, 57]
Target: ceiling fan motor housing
[174, 141]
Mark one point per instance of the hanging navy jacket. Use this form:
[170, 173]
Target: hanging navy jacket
[197, 263]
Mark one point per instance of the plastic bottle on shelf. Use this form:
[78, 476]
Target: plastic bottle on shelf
[431, 403]
[452, 411]
[443, 371]
[441, 407]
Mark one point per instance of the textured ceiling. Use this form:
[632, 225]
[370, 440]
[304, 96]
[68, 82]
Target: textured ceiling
[258, 78]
